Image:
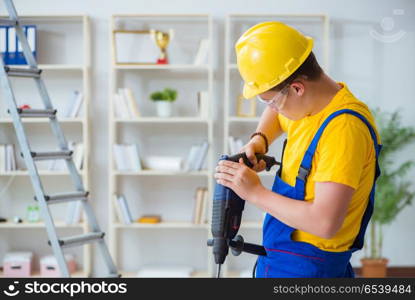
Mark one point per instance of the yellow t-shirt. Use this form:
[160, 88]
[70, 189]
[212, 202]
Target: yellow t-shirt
[345, 154]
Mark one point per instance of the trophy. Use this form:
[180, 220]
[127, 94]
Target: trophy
[162, 39]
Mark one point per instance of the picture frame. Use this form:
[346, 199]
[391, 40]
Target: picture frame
[136, 47]
[245, 107]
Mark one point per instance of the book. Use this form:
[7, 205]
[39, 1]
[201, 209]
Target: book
[119, 157]
[78, 155]
[202, 53]
[201, 155]
[129, 98]
[12, 42]
[74, 105]
[125, 210]
[165, 163]
[134, 157]
[126, 157]
[121, 105]
[3, 43]
[198, 204]
[203, 213]
[118, 213]
[203, 104]
[189, 163]
[2, 158]
[8, 157]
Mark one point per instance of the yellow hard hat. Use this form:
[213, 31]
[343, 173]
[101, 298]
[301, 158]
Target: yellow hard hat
[268, 53]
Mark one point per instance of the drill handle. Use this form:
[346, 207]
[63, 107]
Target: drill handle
[269, 160]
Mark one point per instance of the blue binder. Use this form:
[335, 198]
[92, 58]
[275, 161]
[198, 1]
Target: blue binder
[10, 47]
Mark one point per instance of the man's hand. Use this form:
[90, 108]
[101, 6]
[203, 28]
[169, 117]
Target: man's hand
[255, 145]
[238, 177]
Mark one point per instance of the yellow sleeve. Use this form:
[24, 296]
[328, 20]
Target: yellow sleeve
[283, 122]
[343, 151]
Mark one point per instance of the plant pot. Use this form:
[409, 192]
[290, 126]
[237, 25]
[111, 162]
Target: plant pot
[374, 267]
[164, 108]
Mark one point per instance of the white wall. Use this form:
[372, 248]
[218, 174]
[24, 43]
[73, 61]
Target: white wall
[379, 73]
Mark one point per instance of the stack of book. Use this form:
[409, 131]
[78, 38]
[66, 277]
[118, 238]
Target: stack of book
[200, 206]
[125, 104]
[7, 158]
[74, 106]
[77, 156]
[196, 158]
[122, 210]
[127, 157]
[235, 144]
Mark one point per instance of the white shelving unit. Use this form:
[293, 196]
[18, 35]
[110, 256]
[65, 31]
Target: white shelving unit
[65, 68]
[176, 240]
[315, 25]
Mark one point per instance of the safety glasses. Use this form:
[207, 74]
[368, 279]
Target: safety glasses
[278, 100]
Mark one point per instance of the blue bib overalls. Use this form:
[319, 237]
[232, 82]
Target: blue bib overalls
[289, 258]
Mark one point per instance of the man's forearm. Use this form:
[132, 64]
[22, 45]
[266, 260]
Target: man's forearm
[269, 125]
[297, 214]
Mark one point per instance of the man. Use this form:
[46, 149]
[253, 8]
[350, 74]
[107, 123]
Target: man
[322, 197]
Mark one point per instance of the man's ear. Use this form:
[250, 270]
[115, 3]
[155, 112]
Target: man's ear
[298, 87]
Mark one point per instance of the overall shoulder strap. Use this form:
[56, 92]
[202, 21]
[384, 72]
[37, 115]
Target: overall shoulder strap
[305, 166]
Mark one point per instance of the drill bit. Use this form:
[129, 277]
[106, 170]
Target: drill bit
[218, 273]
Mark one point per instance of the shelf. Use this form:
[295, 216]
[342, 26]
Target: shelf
[36, 274]
[195, 274]
[43, 120]
[58, 67]
[162, 67]
[41, 173]
[163, 120]
[244, 119]
[41, 17]
[25, 225]
[172, 225]
[161, 173]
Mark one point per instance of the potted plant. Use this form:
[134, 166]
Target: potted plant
[164, 100]
[392, 190]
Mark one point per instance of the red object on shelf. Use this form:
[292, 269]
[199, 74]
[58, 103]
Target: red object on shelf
[162, 61]
[25, 106]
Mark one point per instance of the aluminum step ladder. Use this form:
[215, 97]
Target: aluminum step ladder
[29, 156]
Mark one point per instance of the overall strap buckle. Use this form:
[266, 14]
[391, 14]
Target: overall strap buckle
[303, 173]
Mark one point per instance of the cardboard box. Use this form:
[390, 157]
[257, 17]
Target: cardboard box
[18, 264]
[49, 265]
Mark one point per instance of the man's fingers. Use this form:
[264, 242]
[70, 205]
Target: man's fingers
[224, 176]
[250, 153]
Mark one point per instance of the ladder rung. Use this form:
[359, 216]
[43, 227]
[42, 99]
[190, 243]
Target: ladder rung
[23, 72]
[82, 239]
[61, 198]
[67, 154]
[37, 113]
[8, 22]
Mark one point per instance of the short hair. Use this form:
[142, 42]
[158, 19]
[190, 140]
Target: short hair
[309, 68]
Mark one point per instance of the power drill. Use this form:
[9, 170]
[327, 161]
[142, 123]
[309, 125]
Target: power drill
[227, 214]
